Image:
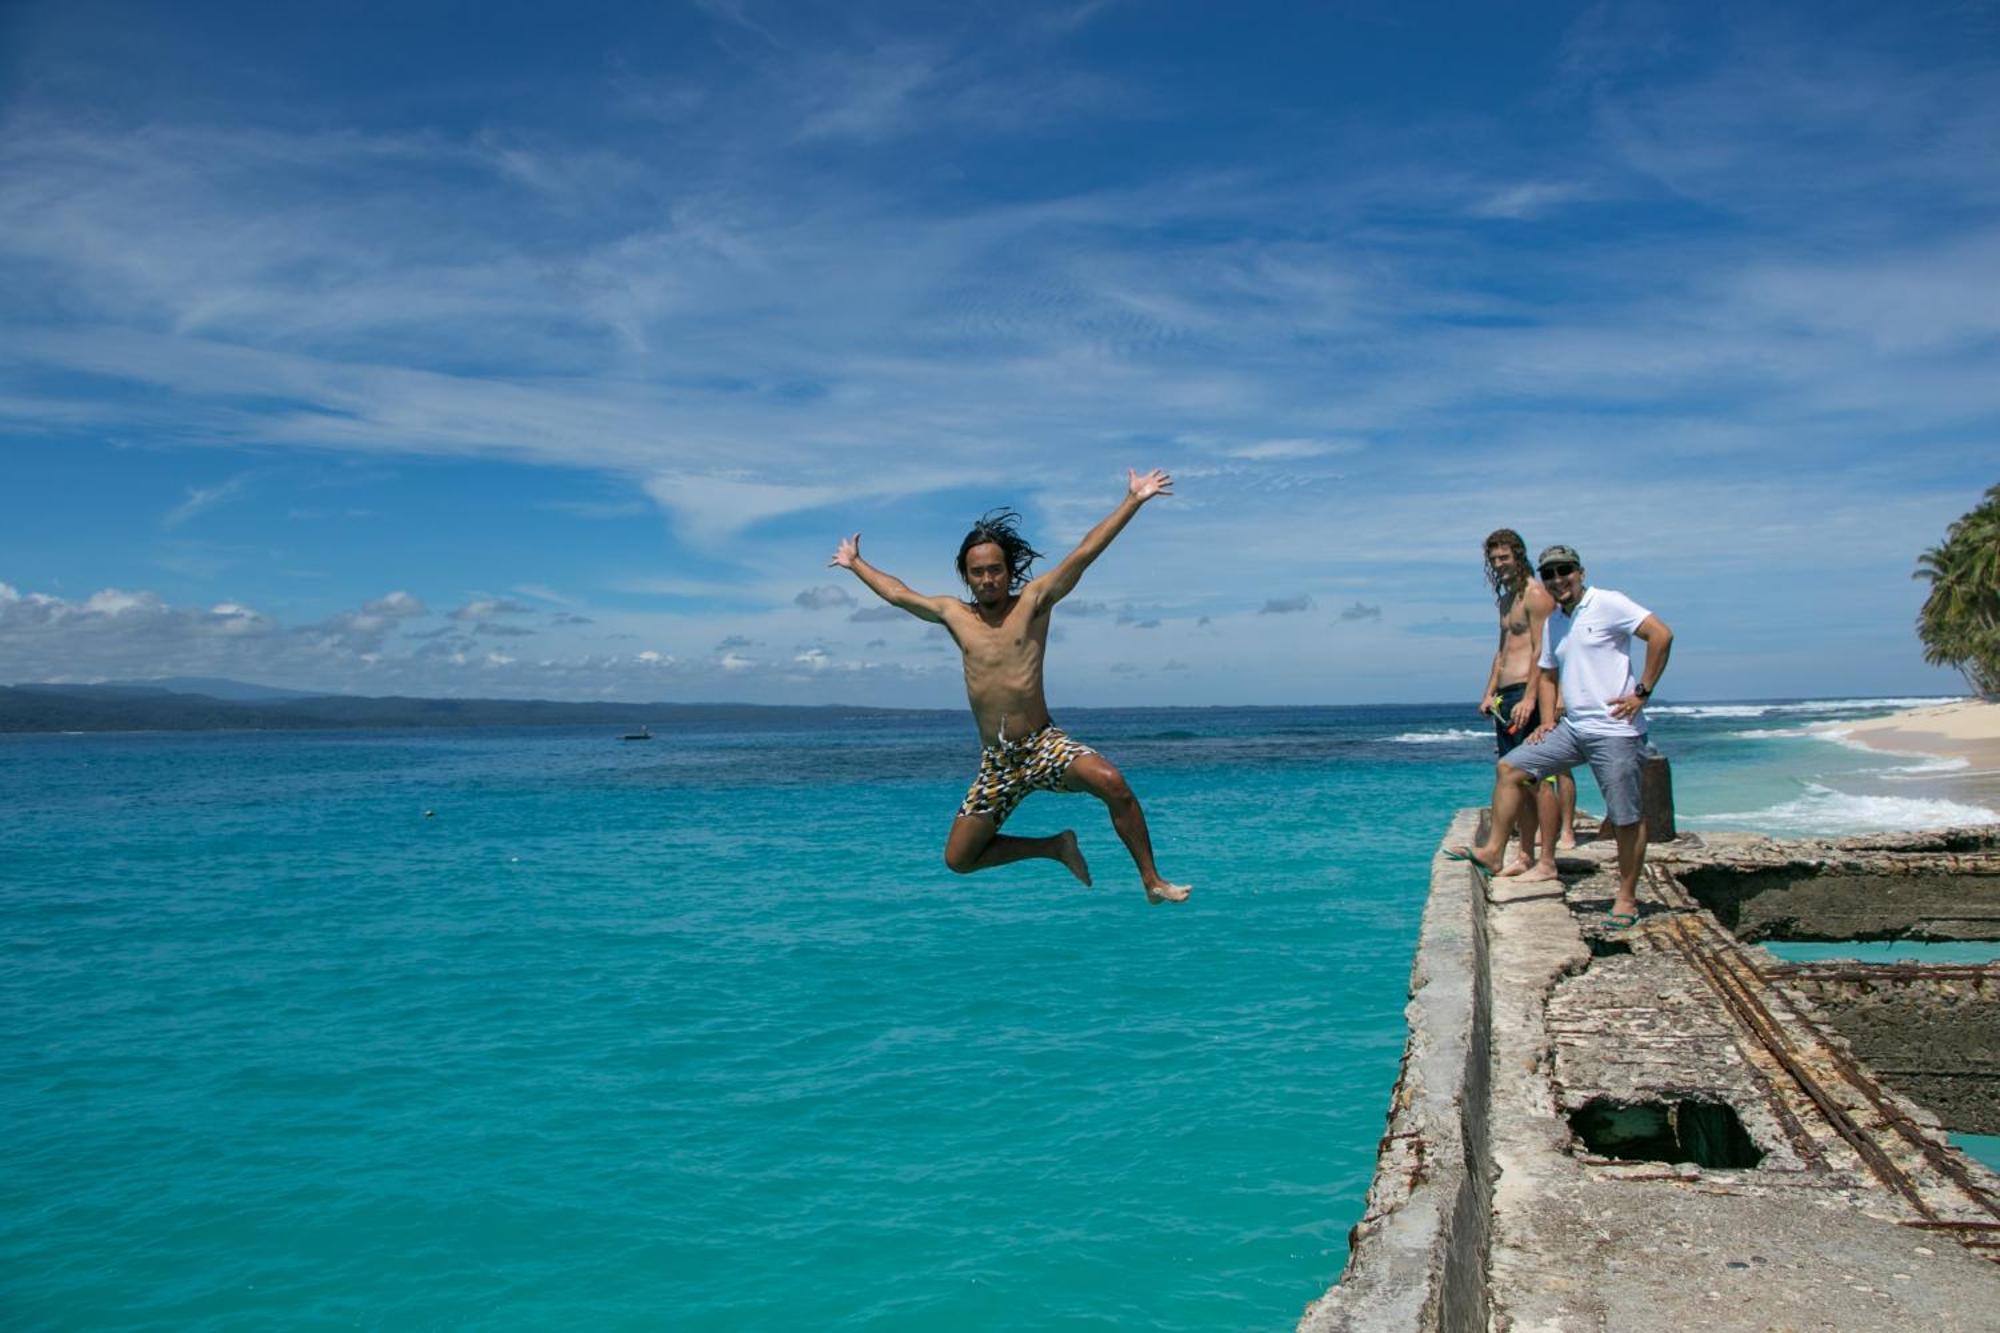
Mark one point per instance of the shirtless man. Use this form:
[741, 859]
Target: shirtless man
[1002, 633]
[1511, 692]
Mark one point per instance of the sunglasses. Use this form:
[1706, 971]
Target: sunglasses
[1556, 571]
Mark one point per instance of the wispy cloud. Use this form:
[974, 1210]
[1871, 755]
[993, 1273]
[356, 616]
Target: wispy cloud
[200, 499]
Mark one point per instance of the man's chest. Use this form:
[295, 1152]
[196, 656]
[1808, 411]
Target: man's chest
[1587, 634]
[1001, 646]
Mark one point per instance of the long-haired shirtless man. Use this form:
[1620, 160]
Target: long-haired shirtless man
[1002, 634]
[1511, 691]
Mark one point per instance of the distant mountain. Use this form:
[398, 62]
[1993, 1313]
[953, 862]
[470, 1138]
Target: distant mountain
[148, 706]
[215, 687]
[209, 687]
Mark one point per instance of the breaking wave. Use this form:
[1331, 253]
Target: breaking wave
[1804, 708]
[1823, 810]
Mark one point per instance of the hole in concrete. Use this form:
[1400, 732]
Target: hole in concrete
[1709, 1134]
[1601, 947]
[1895, 901]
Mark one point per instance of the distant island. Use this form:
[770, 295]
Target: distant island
[224, 705]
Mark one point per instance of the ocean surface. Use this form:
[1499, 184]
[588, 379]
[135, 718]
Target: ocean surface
[532, 1028]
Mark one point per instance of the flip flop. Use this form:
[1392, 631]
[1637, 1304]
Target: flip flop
[1479, 867]
[1622, 920]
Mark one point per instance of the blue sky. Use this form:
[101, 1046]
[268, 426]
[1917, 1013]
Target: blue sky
[547, 351]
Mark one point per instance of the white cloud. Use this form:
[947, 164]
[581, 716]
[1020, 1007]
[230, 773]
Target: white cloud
[824, 597]
[398, 605]
[113, 602]
[482, 608]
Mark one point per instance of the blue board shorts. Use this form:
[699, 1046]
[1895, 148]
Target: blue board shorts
[1615, 761]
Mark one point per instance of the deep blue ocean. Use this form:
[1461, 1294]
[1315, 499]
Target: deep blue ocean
[700, 1033]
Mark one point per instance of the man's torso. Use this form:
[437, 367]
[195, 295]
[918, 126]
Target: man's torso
[1592, 648]
[1003, 668]
[1517, 648]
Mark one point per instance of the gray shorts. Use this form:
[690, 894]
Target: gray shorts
[1615, 761]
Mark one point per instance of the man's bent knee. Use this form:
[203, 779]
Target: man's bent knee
[1100, 777]
[1113, 790]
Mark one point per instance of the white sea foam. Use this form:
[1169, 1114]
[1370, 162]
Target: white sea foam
[1455, 736]
[1823, 810]
[1844, 737]
[1804, 708]
[1927, 768]
[1708, 710]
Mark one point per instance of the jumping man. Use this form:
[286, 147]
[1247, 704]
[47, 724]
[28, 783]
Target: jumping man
[1002, 634]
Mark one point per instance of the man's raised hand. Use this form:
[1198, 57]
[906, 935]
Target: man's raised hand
[847, 552]
[1145, 488]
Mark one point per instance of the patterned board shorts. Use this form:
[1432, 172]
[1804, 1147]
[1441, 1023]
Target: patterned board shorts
[1009, 771]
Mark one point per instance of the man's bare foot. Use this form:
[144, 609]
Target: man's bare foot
[1567, 842]
[1162, 892]
[1516, 867]
[1539, 875]
[1071, 855]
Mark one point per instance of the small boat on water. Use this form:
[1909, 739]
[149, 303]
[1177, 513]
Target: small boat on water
[644, 733]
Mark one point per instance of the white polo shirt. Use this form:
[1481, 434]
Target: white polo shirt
[1592, 647]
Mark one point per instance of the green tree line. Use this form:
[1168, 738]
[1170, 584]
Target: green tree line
[1960, 622]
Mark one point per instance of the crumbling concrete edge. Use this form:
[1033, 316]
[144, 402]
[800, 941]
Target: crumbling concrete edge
[1417, 1258]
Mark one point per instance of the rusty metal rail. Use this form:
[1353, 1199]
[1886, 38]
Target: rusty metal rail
[1842, 970]
[1717, 956]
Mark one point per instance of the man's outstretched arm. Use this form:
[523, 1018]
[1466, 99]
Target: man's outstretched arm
[1057, 584]
[887, 586]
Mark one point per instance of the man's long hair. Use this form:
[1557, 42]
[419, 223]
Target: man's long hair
[1517, 578]
[1002, 528]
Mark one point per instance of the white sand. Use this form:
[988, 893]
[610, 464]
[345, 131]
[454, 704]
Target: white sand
[1968, 730]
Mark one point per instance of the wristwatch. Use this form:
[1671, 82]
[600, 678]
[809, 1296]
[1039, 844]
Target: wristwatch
[1643, 691]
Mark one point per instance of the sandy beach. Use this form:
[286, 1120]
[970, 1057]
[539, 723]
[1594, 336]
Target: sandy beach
[1967, 730]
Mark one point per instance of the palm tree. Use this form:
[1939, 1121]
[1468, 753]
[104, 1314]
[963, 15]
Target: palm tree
[1960, 621]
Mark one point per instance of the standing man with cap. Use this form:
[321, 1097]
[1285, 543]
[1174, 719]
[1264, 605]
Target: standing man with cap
[1587, 646]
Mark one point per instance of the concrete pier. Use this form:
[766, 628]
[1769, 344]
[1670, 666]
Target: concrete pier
[1663, 1127]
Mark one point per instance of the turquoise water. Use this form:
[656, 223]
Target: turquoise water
[1886, 951]
[1983, 1148]
[702, 1033]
